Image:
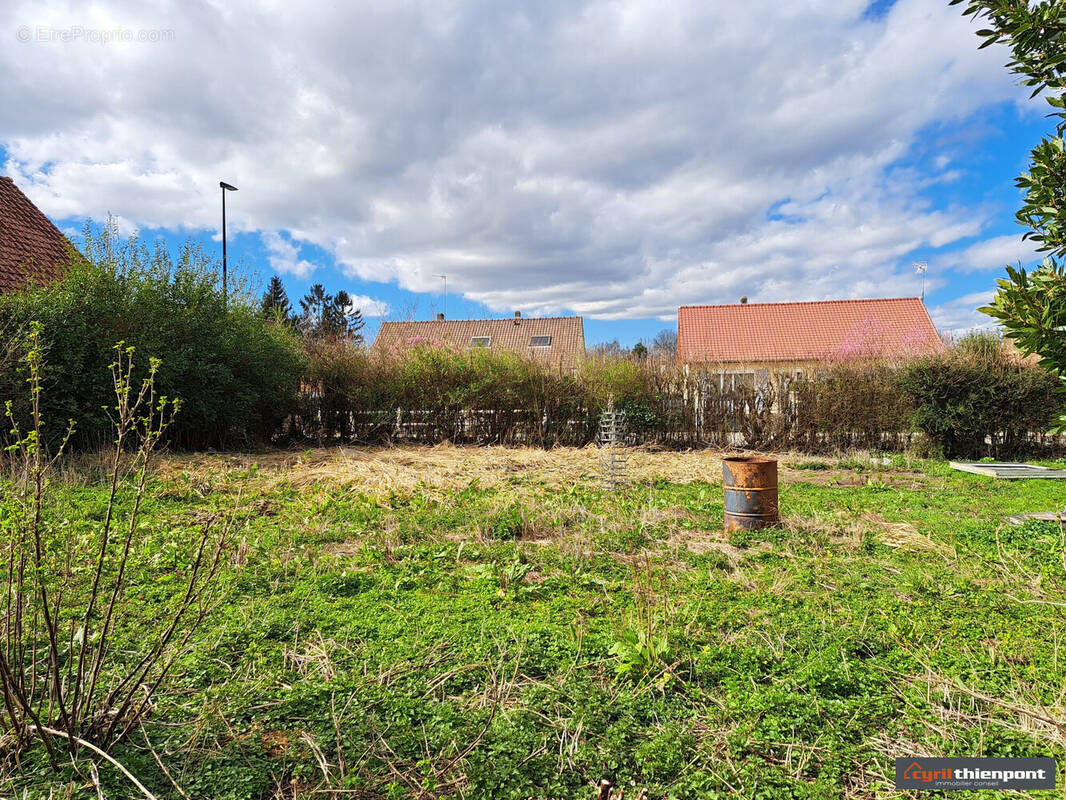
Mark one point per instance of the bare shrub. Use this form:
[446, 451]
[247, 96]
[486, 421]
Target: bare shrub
[79, 665]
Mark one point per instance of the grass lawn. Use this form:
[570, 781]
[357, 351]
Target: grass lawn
[492, 623]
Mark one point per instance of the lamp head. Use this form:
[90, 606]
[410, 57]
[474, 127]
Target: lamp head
[227, 186]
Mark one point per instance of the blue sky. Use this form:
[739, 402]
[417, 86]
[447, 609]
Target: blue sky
[608, 159]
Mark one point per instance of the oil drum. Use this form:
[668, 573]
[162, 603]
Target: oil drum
[750, 485]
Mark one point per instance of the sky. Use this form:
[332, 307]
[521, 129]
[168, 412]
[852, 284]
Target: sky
[608, 158]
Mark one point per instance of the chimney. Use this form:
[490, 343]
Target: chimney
[517, 315]
[440, 317]
[744, 300]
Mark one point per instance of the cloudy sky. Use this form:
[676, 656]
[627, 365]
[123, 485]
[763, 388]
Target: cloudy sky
[610, 158]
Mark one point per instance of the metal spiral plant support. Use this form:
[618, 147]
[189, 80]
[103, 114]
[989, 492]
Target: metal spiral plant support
[612, 445]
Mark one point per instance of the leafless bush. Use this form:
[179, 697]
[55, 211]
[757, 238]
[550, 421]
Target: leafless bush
[78, 667]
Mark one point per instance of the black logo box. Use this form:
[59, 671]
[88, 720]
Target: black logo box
[975, 773]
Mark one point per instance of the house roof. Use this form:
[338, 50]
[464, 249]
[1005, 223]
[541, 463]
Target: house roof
[509, 334]
[31, 247]
[756, 332]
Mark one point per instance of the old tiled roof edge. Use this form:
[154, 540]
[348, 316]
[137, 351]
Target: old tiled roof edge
[805, 302]
[35, 250]
[484, 319]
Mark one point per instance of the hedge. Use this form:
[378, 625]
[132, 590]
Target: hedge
[960, 403]
[237, 375]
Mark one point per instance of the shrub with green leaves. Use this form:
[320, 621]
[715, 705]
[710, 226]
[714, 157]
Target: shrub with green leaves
[978, 391]
[236, 373]
[1031, 306]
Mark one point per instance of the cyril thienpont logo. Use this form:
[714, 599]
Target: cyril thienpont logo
[975, 773]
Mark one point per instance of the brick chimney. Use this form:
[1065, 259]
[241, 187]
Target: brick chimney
[440, 317]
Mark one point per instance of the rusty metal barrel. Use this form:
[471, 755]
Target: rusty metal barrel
[750, 485]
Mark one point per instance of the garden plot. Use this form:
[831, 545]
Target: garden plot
[443, 622]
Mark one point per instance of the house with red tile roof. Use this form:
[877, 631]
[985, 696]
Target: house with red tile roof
[751, 340]
[557, 342]
[32, 248]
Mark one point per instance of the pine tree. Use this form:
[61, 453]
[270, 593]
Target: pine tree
[275, 303]
[336, 323]
[315, 309]
[355, 325]
[327, 316]
[347, 321]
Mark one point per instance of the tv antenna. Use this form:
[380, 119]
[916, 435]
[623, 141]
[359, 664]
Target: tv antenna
[445, 279]
[922, 267]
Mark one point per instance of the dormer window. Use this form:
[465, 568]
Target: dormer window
[540, 341]
[480, 341]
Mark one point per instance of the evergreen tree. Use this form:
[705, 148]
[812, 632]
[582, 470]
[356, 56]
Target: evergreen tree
[275, 303]
[347, 321]
[355, 325]
[326, 316]
[315, 308]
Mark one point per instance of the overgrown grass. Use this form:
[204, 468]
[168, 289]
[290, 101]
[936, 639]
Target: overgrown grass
[492, 623]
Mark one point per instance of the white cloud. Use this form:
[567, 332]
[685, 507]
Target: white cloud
[369, 306]
[614, 157]
[994, 253]
[285, 256]
[960, 316]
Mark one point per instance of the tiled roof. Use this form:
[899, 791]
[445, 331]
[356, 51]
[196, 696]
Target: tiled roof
[510, 334]
[755, 332]
[31, 247]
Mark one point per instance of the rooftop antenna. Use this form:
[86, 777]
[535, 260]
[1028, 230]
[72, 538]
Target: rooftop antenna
[922, 267]
[445, 278]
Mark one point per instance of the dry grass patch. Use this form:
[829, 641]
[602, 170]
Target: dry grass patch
[904, 536]
[411, 468]
[837, 531]
[957, 707]
[700, 542]
[848, 532]
[445, 466]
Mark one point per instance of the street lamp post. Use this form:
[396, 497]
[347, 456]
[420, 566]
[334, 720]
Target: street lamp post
[225, 284]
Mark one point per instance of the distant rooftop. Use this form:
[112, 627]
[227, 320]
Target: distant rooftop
[807, 331]
[558, 341]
